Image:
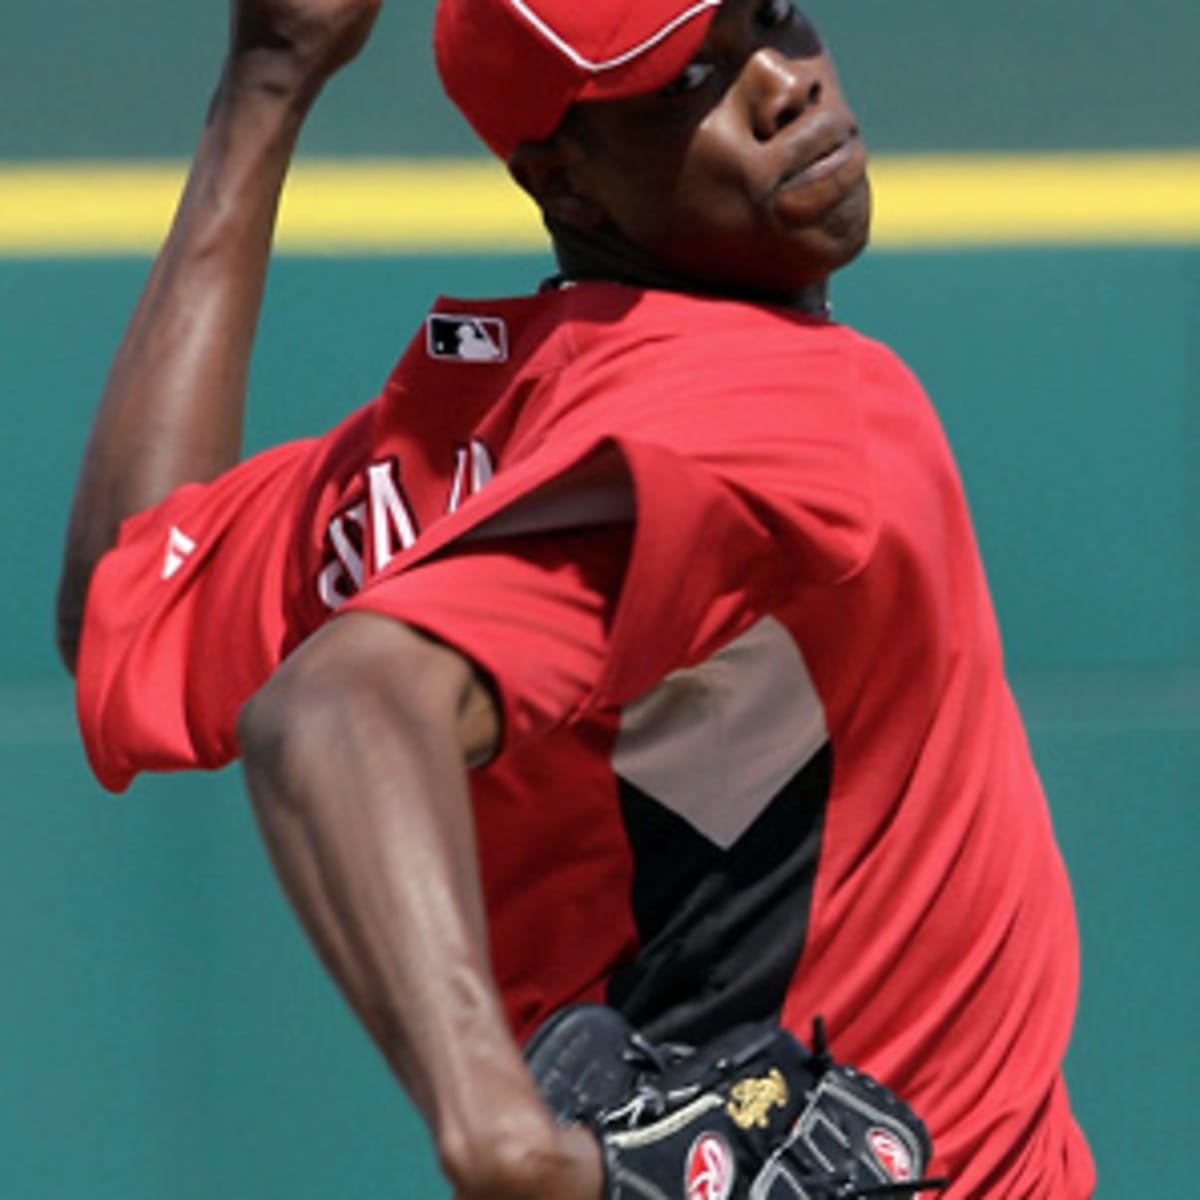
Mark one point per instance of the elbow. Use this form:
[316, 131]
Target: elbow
[260, 732]
[68, 627]
[66, 637]
[358, 678]
[358, 686]
[320, 708]
[276, 728]
[70, 601]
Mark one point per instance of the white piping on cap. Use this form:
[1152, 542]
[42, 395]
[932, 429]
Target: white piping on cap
[561, 44]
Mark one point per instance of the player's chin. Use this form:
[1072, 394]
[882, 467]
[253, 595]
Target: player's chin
[800, 256]
[840, 234]
[850, 222]
[822, 255]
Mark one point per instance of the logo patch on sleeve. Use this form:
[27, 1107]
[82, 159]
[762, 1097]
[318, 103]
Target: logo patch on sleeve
[179, 549]
[463, 338]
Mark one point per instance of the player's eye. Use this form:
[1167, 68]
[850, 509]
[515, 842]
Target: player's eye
[691, 79]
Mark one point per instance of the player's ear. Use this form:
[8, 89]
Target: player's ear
[551, 173]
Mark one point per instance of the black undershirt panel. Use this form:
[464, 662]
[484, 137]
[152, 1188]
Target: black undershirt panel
[721, 929]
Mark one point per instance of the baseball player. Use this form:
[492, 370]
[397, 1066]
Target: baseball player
[632, 646]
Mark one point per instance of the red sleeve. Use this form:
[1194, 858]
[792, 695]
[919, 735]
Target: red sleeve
[572, 620]
[187, 616]
[534, 613]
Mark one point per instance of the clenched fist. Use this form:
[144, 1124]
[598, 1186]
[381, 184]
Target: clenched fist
[299, 43]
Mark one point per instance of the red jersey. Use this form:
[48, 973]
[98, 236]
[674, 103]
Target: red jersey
[758, 758]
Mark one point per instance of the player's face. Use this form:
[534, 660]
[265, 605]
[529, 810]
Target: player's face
[748, 172]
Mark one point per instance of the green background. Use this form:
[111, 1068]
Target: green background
[164, 1030]
[131, 77]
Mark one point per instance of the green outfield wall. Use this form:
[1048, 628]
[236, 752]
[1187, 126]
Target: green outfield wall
[165, 1033]
[131, 77]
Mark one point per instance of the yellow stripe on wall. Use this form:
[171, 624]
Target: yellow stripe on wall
[469, 206]
[1071, 199]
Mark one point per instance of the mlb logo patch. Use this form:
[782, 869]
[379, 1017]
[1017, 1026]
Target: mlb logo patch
[466, 338]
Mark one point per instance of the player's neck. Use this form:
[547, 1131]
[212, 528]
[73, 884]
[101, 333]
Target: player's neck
[584, 254]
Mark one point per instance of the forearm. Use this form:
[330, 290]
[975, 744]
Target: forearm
[172, 408]
[362, 796]
[381, 875]
[171, 411]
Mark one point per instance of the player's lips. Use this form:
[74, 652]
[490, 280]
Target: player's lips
[825, 161]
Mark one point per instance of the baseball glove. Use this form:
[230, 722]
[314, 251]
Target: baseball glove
[752, 1114]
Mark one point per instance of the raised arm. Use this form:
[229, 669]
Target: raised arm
[171, 411]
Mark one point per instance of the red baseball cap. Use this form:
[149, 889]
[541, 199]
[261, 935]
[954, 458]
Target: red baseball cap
[514, 67]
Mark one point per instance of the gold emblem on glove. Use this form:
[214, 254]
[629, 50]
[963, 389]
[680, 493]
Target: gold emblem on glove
[751, 1100]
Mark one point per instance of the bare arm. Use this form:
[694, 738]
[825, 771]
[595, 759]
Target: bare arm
[171, 411]
[354, 756]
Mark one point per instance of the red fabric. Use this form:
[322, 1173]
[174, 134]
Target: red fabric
[174, 640]
[723, 464]
[532, 612]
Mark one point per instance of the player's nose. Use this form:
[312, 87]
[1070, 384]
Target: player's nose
[781, 89]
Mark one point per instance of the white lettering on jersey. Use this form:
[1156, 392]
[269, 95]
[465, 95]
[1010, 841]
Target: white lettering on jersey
[384, 525]
[473, 467]
[393, 526]
[342, 575]
[179, 547]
